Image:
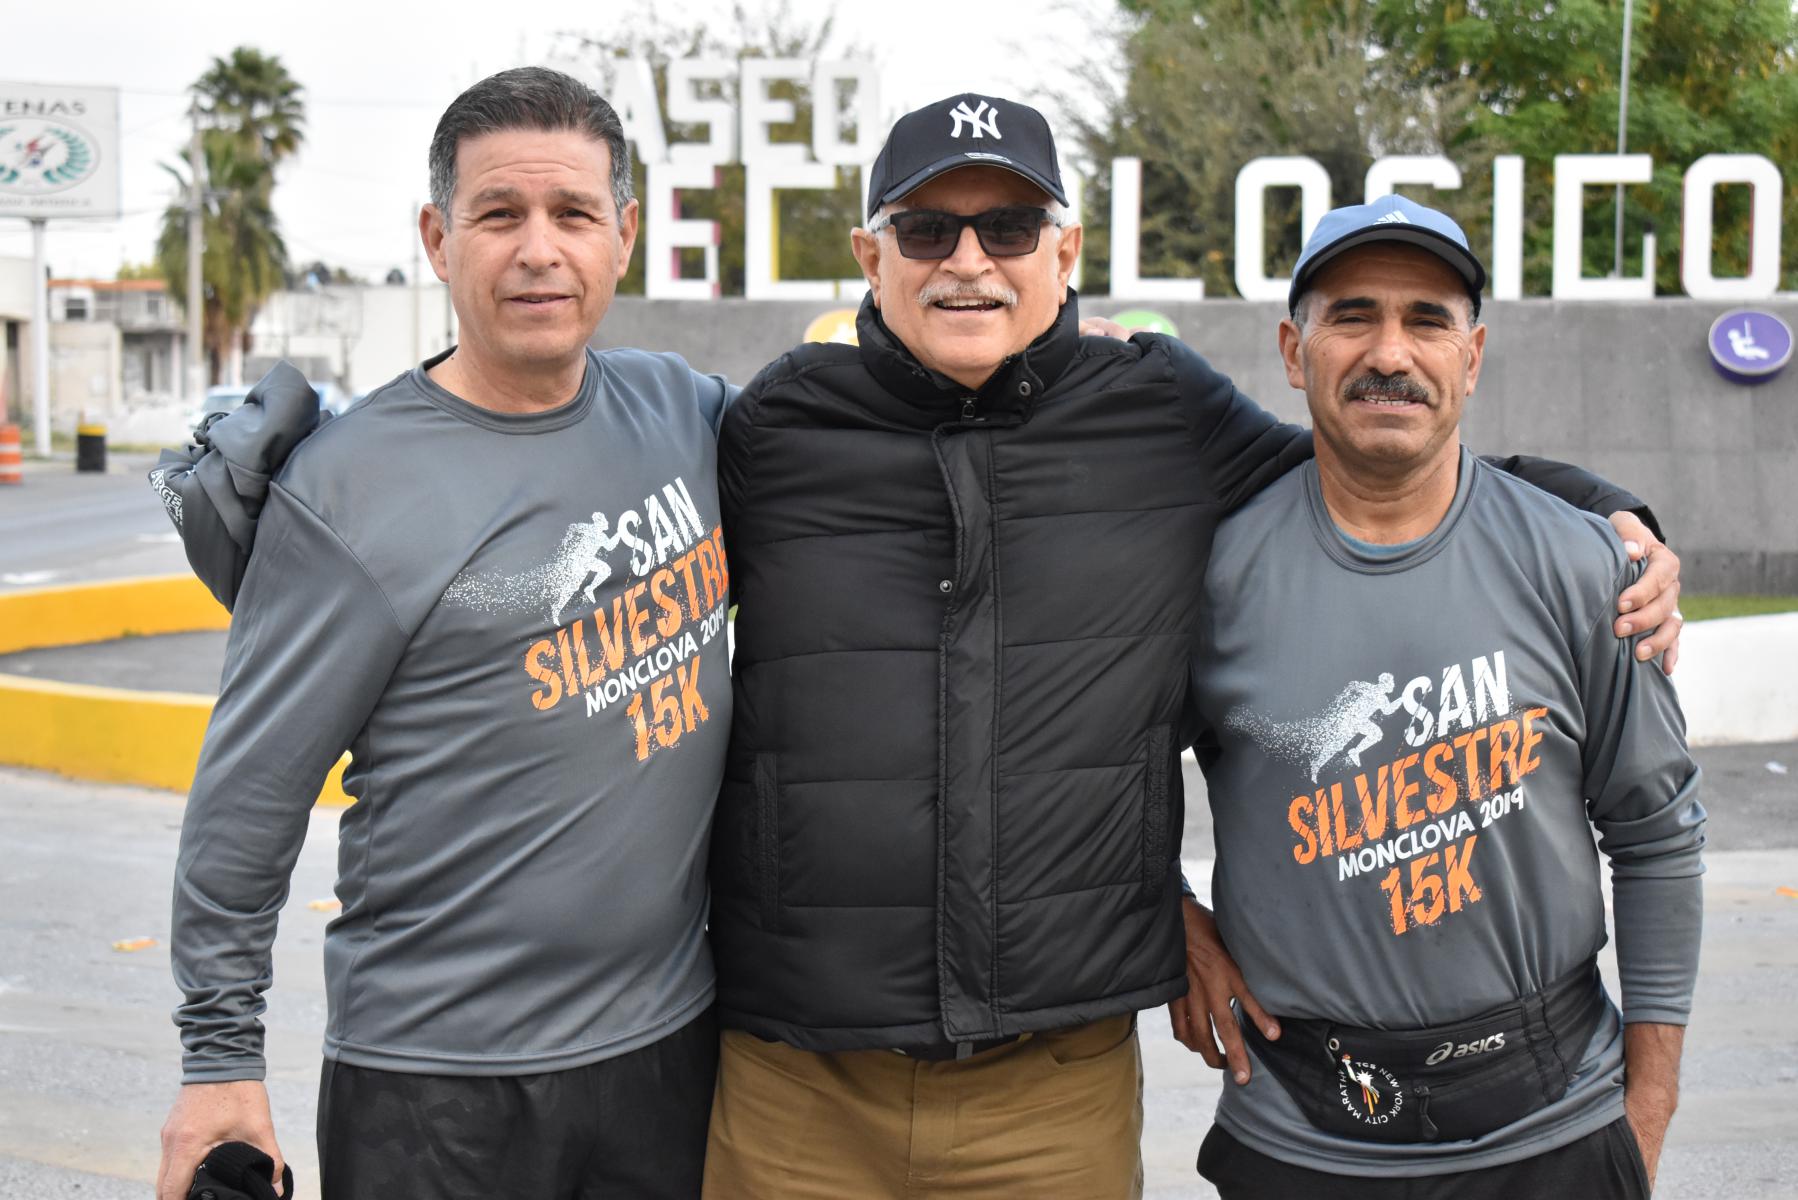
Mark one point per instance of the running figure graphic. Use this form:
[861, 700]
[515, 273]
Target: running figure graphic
[1315, 741]
[1370, 1095]
[578, 568]
[581, 558]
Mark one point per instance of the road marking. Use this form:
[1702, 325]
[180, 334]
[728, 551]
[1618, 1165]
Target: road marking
[27, 578]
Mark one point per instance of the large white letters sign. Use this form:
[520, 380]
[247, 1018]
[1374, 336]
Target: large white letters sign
[729, 111]
[666, 233]
[1702, 181]
[1574, 173]
[1127, 282]
[1252, 184]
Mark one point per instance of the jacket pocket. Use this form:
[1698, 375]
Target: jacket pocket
[767, 839]
[1155, 813]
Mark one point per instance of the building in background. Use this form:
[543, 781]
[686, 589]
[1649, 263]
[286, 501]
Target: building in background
[15, 339]
[114, 343]
[356, 335]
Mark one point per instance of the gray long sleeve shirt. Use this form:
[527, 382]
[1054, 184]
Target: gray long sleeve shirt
[516, 625]
[1408, 755]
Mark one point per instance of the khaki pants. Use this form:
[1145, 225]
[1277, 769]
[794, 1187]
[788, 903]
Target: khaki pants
[1055, 1115]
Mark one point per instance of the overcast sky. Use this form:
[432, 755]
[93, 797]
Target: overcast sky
[377, 76]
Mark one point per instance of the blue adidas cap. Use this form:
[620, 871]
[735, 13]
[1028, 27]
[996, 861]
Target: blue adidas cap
[1388, 219]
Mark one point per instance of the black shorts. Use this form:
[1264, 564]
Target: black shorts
[628, 1127]
[1606, 1165]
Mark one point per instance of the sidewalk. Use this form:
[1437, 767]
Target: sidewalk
[89, 1061]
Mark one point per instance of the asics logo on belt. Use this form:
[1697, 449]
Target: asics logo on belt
[1448, 1050]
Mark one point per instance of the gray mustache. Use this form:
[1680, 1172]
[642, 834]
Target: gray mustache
[951, 291]
[1387, 387]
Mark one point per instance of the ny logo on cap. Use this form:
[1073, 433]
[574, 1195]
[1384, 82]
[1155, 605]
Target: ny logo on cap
[964, 115]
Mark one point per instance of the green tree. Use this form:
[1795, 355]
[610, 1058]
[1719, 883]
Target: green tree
[1705, 76]
[1207, 85]
[243, 257]
[251, 118]
[251, 95]
[813, 226]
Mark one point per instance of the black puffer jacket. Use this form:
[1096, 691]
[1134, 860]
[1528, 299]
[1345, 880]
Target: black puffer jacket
[953, 805]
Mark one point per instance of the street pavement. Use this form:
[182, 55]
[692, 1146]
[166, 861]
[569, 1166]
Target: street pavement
[62, 527]
[89, 1060]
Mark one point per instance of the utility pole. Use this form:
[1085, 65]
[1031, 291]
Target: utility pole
[1622, 131]
[40, 338]
[417, 283]
[196, 245]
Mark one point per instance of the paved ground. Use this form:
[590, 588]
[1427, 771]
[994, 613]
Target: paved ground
[170, 662]
[61, 527]
[88, 1059]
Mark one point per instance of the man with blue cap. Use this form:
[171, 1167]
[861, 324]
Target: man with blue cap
[1404, 808]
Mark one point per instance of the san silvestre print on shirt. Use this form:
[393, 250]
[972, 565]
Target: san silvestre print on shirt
[1456, 769]
[651, 589]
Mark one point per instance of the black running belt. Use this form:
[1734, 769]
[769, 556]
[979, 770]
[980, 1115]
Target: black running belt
[1444, 1082]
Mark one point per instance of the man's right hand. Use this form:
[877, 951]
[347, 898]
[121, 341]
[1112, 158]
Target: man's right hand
[206, 1114]
[1213, 980]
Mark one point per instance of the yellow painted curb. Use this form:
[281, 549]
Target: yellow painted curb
[111, 735]
[33, 618]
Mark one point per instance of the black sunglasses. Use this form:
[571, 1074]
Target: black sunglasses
[1003, 232]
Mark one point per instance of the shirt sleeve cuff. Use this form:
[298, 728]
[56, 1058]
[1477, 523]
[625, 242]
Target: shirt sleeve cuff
[1652, 1015]
[232, 1071]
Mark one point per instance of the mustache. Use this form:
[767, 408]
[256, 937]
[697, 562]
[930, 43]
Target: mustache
[1374, 385]
[995, 293]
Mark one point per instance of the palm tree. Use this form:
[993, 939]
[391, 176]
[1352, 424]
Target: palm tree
[250, 94]
[251, 117]
[244, 256]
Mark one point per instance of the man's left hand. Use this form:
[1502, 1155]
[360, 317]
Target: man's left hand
[1214, 980]
[1652, 602]
[1651, 1086]
[1648, 1119]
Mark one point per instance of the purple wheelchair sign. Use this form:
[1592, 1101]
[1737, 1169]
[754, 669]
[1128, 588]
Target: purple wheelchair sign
[1750, 346]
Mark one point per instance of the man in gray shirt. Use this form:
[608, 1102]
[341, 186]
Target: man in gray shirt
[1405, 808]
[500, 581]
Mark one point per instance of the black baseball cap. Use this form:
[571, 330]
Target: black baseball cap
[965, 131]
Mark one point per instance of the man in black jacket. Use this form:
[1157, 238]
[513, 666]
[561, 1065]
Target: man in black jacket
[966, 554]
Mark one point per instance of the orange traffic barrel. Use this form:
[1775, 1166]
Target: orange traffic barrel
[12, 458]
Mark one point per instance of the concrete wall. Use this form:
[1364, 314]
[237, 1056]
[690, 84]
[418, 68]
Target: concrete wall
[86, 371]
[1626, 390]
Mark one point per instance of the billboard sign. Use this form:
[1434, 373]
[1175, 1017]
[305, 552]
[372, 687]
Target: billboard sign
[59, 151]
